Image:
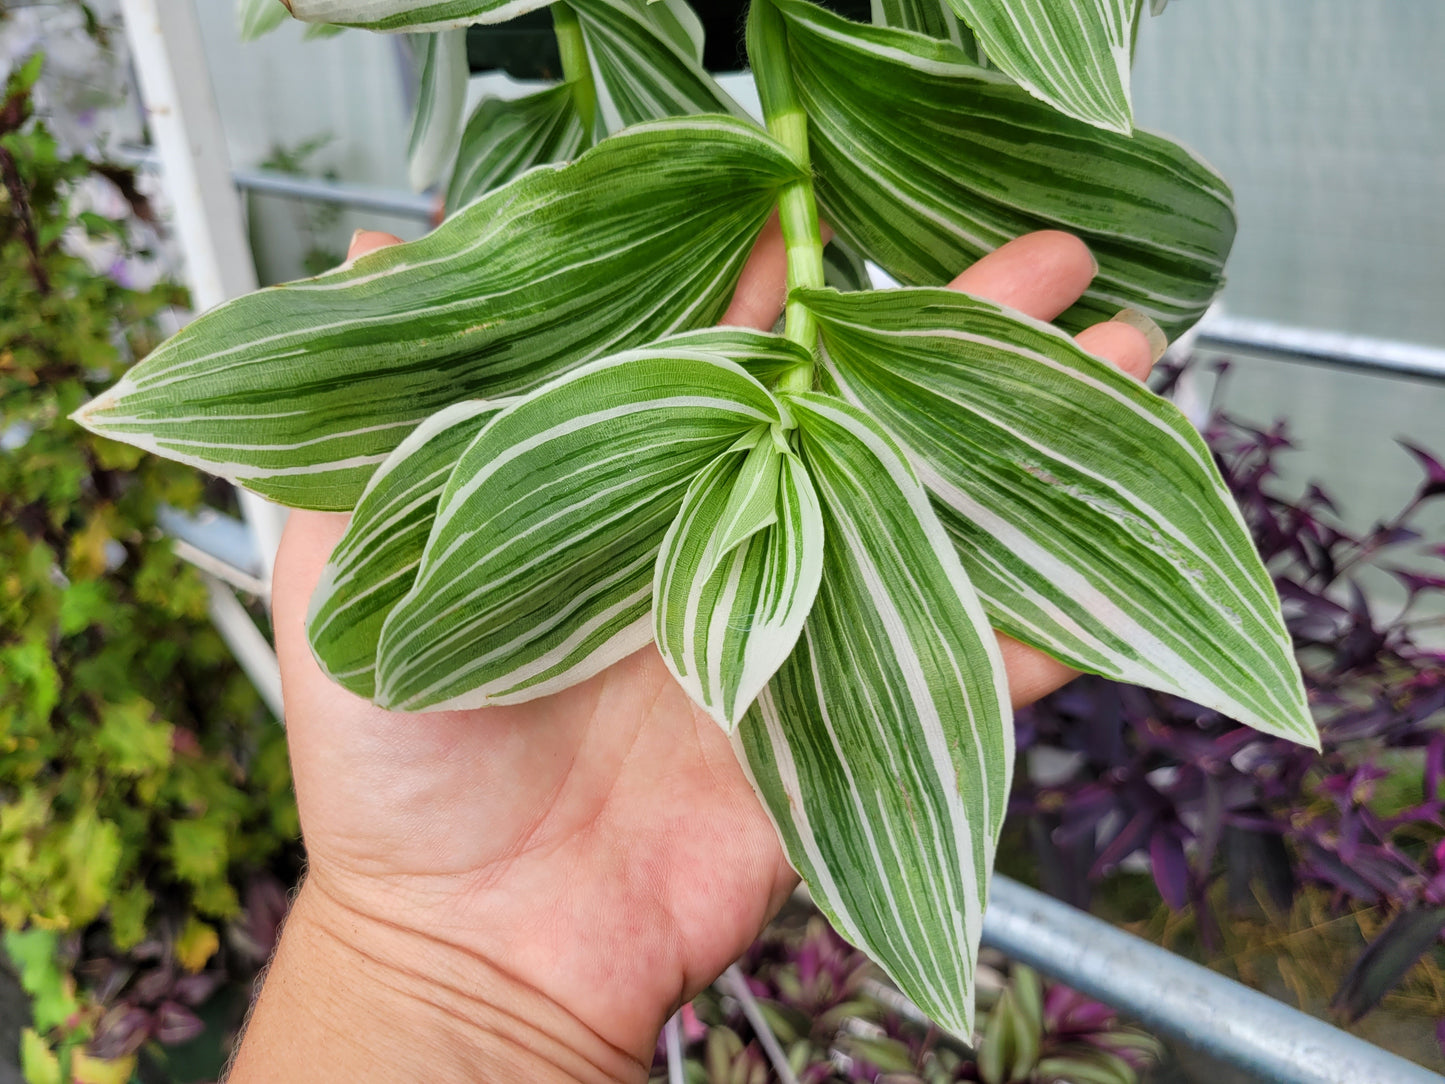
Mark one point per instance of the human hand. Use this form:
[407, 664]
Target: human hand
[526, 892]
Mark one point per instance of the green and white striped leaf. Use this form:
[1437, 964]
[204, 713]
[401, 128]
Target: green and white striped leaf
[1087, 510]
[925, 163]
[883, 747]
[375, 563]
[257, 17]
[1073, 54]
[934, 18]
[765, 355]
[506, 137]
[737, 574]
[299, 391]
[321, 31]
[676, 21]
[642, 71]
[415, 16]
[539, 569]
[441, 102]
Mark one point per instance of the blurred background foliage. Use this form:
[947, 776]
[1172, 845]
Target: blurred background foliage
[142, 784]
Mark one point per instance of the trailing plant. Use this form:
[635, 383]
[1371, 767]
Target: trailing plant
[139, 775]
[835, 1021]
[1148, 776]
[551, 459]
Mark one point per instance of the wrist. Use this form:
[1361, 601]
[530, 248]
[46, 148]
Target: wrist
[349, 997]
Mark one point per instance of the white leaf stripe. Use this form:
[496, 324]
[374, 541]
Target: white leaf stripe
[764, 355]
[374, 565]
[505, 138]
[413, 15]
[1087, 511]
[932, 17]
[1073, 54]
[726, 614]
[485, 306]
[644, 73]
[436, 125]
[541, 559]
[925, 162]
[883, 747]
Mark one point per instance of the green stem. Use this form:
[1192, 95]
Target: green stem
[576, 68]
[797, 208]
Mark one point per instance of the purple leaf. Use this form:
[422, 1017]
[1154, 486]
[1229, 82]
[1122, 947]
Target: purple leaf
[121, 1031]
[1387, 959]
[175, 1024]
[1434, 483]
[1170, 868]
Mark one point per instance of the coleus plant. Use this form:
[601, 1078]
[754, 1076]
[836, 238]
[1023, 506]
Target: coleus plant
[552, 458]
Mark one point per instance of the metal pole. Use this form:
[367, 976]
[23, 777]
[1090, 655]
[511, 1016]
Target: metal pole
[1220, 331]
[1181, 1000]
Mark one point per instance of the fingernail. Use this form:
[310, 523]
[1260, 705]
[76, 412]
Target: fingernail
[355, 237]
[1158, 341]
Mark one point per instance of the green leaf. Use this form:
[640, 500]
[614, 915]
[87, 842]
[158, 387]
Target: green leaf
[764, 355]
[1087, 510]
[505, 138]
[737, 574]
[299, 391]
[932, 17]
[199, 850]
[257, 17]
[36, 956]
[441, 100]
[132, 740]
[539, 569]
[1074, 55]
[883, 747]
[844, 269]
[926, 162]
[677, 22]
[38, 1063]
[642, 70]
[412, 15]
[375, 563]
[321, 31]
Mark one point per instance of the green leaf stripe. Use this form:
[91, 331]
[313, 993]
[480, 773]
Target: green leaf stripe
[374, 565]
[412, 15]
[926, 162]
[1073, 54]
[1087, 510]
[299, 391]
[737, 574]
[883, 747]
[257, 17]
[764, 355]
[539, 569]
[436, 124]
[506, 137]
[644, 73]
[934, 18]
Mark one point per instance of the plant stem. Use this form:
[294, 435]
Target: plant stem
[797, 209]
[576, 68]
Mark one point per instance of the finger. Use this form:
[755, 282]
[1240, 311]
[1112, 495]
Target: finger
[1031, 673]
[364, 241]
[762, 288]
[1125, 346]
[1040, 274]
[306, 546]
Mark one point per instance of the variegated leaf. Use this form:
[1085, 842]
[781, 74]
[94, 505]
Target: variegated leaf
[257, 17]
[844, 269]
[737, 574]
[1087, 510]
[642, 71]
[436, 123]
[1073, 54]
[299, 391]
[539, 569]
[925, 163]
[934, 18]
[883, 747]
[375, 563]
[416, 16]
[676, 21]
[506, 137]
[765, 355]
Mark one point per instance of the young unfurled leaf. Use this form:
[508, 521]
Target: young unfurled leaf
[1075, 56]
[255, 18]
[883, 747]
[539, 569]
[737, 574]
[375, 563]
[1086, 509]
[643, 69]
[505, 138]
[299, 391]
[932, 17]
[925, 163]
[436, 125]
[764, 355]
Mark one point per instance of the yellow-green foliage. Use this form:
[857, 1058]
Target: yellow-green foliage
[139, 774]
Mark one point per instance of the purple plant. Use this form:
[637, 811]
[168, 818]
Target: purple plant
[1120, 773]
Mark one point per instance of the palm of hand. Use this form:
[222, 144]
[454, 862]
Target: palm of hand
[602, 845]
